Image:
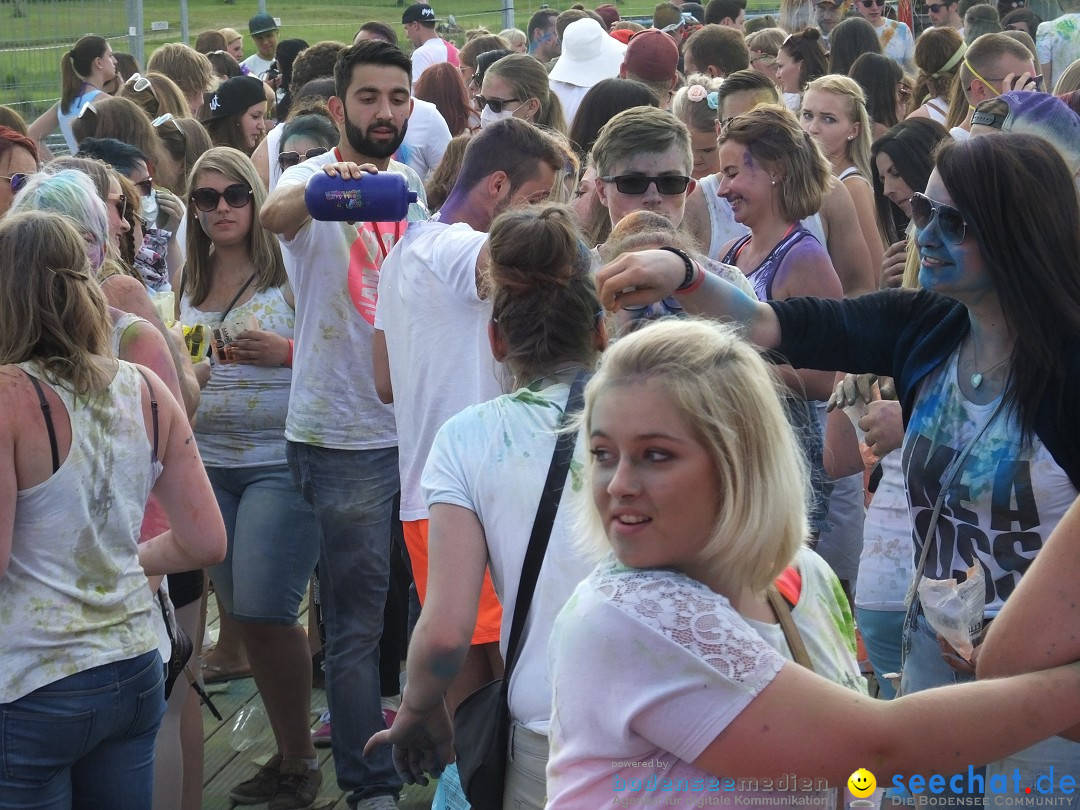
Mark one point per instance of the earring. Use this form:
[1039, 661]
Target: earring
[774, 182]
[850, 137]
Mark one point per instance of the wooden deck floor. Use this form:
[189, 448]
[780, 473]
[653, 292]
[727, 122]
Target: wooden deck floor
[224, 767]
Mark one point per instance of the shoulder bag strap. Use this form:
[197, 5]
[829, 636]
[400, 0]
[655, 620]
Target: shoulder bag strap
[47, 413]
[545, 519]
[236, 297]
[791, 631]
[153, 411]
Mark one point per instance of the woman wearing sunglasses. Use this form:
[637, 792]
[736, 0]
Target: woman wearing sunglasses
[234, 283]
[517, 86]
[18, 160]
[896, 40]
[303, 138]
[985, 360]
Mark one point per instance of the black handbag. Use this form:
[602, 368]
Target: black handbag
[482, 720]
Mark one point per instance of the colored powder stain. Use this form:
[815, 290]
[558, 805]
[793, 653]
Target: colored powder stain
[506, 439]
[577, 475]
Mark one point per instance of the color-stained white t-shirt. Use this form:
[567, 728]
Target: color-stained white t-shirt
[334, 276]
[435, 326]
[493, 460]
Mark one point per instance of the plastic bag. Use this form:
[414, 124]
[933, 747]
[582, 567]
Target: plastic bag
[955, 610]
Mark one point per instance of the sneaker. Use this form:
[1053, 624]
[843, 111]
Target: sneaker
[378, 803]
[262, 786]
[320, 737]
[298, 786]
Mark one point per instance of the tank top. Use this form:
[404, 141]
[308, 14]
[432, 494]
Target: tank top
[723, 227]
[241, 416]
[762, 276]
[74, 596]
[87, 95]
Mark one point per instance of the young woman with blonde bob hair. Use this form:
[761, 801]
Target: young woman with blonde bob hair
[834, 113]
[696, 496]
[235, 282]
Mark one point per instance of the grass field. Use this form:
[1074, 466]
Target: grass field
[34, 33]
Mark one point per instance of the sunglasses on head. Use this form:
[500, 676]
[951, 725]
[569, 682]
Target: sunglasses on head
[497, 104]
[668, 184]
[950, 221]
[236, 196]
[16, 181]
[140, 83]
[287, 159]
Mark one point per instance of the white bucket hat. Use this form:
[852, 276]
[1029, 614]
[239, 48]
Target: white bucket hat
[589, 55]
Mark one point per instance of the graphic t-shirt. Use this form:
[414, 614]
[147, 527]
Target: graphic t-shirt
[1003, 502]
[335, 275]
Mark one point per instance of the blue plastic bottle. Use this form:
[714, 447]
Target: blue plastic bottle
[382, 197]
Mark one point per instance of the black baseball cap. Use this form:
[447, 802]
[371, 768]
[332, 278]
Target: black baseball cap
[418, 12]
[235, 95]
[261, 23]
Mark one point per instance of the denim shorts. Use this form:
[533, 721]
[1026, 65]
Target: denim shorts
[85, 741]
[273, 543]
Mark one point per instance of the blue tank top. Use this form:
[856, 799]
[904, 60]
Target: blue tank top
[762, 276]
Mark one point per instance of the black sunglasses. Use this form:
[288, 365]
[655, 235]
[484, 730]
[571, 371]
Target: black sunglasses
[145, 187]
[288, 159]
[950, 220]
[497, 104]
[935, 8]
[668, 184]
[206, 199]
[872, 3]
[16, 181]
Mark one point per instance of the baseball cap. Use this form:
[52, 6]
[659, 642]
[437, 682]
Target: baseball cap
[608, 13]
[1044, 115]
[418, 12]
[261, 23]
[652, 55]
[234, 95]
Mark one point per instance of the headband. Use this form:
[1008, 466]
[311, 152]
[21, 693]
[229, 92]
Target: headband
[954, 60]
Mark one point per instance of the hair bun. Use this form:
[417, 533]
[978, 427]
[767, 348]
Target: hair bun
[811, 34]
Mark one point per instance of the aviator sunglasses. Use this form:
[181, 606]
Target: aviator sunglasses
[16, 181]
[950, 221]
[667, 184]
[206, 199]
[289, 159]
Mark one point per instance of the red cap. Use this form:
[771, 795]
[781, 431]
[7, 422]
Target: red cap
[652, 55]
[608, 13]
[623, 35]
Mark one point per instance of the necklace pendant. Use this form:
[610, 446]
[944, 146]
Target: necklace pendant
[976, 380]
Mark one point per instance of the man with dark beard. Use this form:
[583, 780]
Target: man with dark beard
[342, 441]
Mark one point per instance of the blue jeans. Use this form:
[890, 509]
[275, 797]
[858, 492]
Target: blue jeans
[85, 741]
[882, 631]
[273, 544]
[924, 668]
[352, 493]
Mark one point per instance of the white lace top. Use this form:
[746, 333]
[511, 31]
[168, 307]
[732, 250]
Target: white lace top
[648, 668]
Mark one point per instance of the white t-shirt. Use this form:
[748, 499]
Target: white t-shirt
[570, 95]
[257, 65]
[493, 459]
[429, 53]
[1058, 41]
[648, 667]
[886, 565]
[334, 276]
[1000, 507]
[436, 337]
[425, 139]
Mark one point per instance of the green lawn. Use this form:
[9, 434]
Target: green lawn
[34, 34]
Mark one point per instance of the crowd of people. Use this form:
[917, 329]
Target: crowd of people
[711, 389]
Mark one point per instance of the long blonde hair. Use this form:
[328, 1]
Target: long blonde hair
[858, 148]
[52, 311]
[719, 385]
[262, 245]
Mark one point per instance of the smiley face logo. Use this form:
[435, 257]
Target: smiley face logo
[862, 783]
